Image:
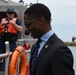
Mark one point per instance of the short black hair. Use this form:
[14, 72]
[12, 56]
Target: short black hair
[39, 10]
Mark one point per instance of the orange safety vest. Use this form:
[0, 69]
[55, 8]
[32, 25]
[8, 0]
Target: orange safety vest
[11, 28]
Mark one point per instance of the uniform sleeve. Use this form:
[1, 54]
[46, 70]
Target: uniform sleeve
[18, 22]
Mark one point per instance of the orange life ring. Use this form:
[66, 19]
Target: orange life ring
[18, 53]
[27, 73]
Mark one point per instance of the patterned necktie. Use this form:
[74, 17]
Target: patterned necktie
[35, 54]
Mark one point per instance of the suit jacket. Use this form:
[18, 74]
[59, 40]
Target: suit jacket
[55, 58]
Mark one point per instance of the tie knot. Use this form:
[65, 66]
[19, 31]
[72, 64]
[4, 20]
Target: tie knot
[38, 41]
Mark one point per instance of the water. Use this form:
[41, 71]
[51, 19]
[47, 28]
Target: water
[73, 49]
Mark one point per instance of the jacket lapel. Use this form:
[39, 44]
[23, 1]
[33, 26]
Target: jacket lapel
[44, 50]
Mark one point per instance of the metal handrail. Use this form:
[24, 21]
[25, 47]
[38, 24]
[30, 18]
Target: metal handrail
[6, 56]
[10, 53]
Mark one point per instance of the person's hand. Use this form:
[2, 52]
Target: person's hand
[4, 22]
[12, 22]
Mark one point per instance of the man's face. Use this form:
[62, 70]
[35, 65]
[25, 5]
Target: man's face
[33, 25]
[10, 15]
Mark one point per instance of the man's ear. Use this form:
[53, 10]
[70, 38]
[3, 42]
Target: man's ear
[42, 20]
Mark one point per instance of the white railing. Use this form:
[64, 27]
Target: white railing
[7, 56]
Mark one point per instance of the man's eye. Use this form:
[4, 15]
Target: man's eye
[25, 23]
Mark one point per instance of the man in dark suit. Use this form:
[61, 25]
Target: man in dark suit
[53, 57]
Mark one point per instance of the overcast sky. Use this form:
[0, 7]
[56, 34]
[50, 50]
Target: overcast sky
[63, 16]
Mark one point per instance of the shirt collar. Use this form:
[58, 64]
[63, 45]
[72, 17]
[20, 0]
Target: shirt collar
[46, 36]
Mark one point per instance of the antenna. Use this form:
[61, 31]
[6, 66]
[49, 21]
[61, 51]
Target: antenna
[37, 1]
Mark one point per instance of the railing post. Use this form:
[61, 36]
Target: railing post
[7, 58]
